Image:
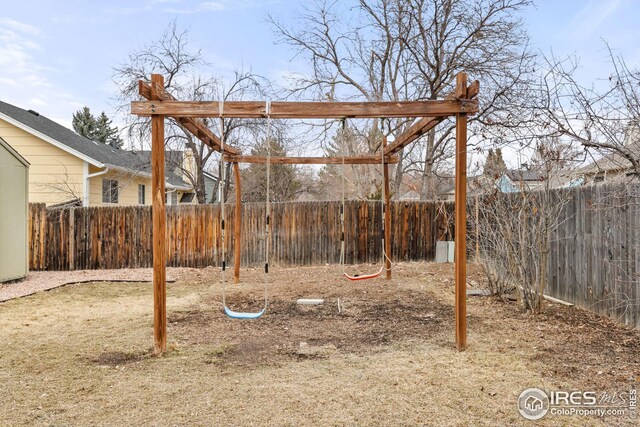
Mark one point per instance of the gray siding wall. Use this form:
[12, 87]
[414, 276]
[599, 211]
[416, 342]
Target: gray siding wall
[14, 189]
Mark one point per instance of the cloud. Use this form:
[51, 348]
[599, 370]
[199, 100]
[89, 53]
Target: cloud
[592, 15]
[21, 27]
[38, 102]
[4, 81]
[212, 5]
[209, 6]
[17, 46]
[23, 76]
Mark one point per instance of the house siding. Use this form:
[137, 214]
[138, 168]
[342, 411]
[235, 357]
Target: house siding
[127, 188]
[55, 176]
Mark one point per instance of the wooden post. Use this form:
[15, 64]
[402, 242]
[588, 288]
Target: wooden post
[387, 214]
[237, 225]
[461, 219]
[477, 257]
[159, 224]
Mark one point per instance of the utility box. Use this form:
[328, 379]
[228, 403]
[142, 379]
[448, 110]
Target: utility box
[14, 211]
[445, 251]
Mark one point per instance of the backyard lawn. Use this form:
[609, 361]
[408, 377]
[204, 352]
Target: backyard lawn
[81, 354]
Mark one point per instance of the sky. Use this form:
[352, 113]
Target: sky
[57, 56]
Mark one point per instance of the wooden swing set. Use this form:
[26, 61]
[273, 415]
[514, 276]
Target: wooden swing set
[430, 113]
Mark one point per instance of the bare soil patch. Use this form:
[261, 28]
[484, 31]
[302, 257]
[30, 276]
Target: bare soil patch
[370, 318]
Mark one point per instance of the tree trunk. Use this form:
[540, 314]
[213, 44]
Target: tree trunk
[399, 175]
[201, 189]
[427, 187]
[227, 182]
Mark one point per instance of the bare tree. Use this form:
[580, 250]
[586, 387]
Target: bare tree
[65, 185]
[603, 117]
[184, 70]
[568, 123]
[412, 50]
[515, 232]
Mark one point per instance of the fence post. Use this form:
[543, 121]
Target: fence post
[72, 239]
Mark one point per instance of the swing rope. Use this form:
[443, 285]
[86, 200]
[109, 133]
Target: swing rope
[231, 313]
[384, 256]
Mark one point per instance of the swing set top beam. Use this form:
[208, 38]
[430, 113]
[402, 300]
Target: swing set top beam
[305, 110]
[187, 114]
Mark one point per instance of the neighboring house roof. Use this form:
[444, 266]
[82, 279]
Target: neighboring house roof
[173, 162]
[445, 185]
[13, 152]
[209, 175]
[210, 186]
[610, 162]
[526, 175]
[95, 153]
[564, 179]
[573, 183]
[476, 184]
[532, 180]
[410, 195]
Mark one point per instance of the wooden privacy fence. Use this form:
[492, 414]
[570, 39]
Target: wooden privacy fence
[594, 259]
[594, 253]
[303, 233]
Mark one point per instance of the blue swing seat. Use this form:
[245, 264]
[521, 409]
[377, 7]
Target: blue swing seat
[239, 315]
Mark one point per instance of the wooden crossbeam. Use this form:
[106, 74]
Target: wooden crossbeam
[414, 132]
[425, 124]
[195, 126]
[356, 160]
[473, 90]
[306, 110]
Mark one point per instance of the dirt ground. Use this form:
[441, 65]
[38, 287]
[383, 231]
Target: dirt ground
[80, 355]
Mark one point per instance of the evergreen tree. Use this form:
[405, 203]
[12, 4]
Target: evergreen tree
[285, 184]
[84, 123]
[494, 166]
[96, 129]
[361, 182]
[106, 133]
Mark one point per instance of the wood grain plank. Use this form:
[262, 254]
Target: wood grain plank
[305, 110]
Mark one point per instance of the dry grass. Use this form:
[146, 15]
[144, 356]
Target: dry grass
[79, 355]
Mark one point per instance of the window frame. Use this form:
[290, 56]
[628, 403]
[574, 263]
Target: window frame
[110, 191]
[142, 194]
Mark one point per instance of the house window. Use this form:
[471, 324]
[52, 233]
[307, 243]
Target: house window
[141, 194]
[171, 198]
[109, 191]
[186, 198]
